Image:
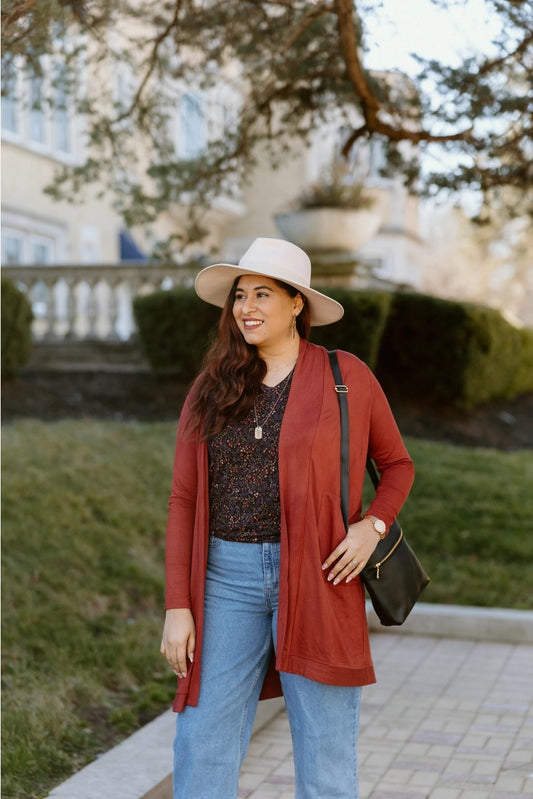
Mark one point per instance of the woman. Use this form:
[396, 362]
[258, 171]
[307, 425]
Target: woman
[263, 595]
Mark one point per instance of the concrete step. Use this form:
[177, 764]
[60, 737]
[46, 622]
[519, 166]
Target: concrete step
[88, 355]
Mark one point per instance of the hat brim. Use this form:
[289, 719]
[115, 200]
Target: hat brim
[213, 285]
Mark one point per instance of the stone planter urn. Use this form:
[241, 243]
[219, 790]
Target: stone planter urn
[331, 229]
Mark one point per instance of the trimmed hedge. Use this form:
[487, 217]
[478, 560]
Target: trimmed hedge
[174, 328]
[522, 380]
[361, 328]
[450, 352]
[421, 347]
[17, 317]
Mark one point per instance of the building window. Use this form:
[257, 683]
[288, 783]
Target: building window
[63, 141]
[378, 161]
[12, 248]
[41, 251]
[38, 111]
[366, 159]
[124, 89]
[29, 244]
[124, 92]
[10, 111]
[37, 114]
[90, 244]
[192, 127]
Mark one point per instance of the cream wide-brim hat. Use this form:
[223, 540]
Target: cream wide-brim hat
[274, 258]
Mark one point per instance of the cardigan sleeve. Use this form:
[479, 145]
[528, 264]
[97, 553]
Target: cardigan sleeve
[181, 514]
[386, 448]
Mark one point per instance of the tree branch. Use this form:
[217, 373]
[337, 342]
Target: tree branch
[370, 104]
[152, 63]
[309, 16]
[18, 11]
[489, 66]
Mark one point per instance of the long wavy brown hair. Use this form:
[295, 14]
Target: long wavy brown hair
[232, 370]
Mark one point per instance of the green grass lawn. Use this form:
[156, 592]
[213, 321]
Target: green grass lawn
[84, 512]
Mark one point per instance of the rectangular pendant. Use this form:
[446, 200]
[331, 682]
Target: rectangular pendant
[258, 432]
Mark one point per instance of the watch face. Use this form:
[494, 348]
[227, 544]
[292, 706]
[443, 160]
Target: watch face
[380, 526]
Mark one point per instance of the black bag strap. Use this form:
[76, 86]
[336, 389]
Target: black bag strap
[371, 469]
[342, 390]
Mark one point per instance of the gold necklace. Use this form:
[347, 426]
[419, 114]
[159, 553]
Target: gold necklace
[258, 431]
[279, 368]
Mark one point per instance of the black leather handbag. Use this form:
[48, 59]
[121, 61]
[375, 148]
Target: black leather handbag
[393, 577]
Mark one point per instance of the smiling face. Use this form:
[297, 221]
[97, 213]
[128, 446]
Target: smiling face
[264, 313]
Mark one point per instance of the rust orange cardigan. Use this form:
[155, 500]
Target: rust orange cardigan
[322, 632]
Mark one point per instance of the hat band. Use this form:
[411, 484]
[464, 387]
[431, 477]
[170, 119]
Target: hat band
[287, 276]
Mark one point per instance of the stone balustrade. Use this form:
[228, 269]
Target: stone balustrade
[91, 302]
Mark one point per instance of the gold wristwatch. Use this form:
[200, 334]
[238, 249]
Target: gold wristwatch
[379, 526]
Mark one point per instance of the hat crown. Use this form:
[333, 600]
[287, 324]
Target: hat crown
[275, 258]
[278, 259]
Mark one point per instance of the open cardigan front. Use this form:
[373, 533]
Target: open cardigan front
[322, 632]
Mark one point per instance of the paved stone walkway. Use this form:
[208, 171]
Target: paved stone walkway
[447, 719]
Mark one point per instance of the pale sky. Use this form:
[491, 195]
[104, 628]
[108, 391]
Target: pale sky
[404, 26]
[400, 27]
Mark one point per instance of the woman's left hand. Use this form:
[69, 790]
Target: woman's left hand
[350, 557]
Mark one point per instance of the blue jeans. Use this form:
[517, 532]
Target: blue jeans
[211, 741]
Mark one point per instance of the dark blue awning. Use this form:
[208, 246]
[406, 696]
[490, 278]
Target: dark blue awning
[128, 249]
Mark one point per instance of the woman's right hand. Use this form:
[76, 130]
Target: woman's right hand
[179, 639]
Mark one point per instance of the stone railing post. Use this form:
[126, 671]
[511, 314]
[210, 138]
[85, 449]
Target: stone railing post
[91, 301]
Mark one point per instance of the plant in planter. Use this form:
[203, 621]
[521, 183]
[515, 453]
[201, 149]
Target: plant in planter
[333, 193]
[331, 214]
